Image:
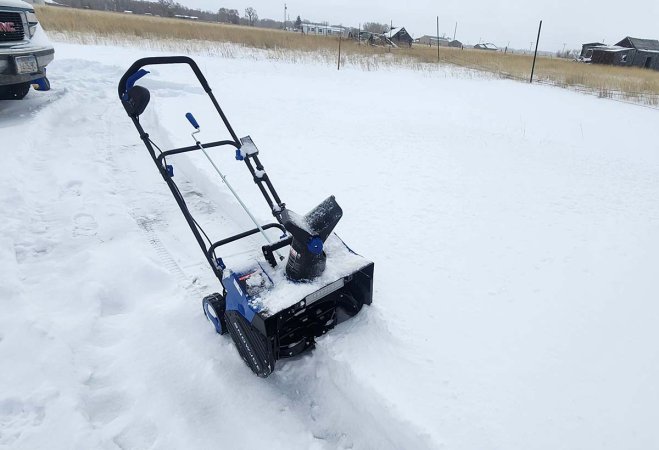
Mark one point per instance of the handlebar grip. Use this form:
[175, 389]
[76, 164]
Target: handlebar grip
[192, 120]
[137, 65]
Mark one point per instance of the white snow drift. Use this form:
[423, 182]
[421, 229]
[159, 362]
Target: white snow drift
[514, 229]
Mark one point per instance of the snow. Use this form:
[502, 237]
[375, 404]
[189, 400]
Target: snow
[340, 263]
[612, 48]
[247, 147]
[514, 230]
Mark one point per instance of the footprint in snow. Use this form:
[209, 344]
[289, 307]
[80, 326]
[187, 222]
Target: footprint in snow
[137, 435]
[17, 417]
[84, 225]
[72, 188]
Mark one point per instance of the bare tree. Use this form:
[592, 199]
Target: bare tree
[251, 15]
[225, 15]
[166, 7]
[374, 27]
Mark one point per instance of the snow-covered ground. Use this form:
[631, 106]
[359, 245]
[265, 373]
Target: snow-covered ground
[514, 229]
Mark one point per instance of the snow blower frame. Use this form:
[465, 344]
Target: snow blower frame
[262, 336]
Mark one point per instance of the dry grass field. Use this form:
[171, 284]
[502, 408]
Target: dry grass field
[607, 81]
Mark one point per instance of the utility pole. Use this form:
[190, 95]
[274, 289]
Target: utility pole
[437, 38]
[537, 41]
[455, 30]
[285, 11]
[391, 27]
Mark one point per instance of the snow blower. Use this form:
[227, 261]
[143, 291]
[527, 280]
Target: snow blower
[273, 306]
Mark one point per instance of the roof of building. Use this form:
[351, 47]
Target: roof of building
[396, 31]
[486, 45]
[594, 43]
[640, 44]
[323, 27]
[611, 48]
[433, 38]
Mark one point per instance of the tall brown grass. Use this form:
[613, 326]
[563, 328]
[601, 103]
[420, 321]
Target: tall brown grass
[609, 81]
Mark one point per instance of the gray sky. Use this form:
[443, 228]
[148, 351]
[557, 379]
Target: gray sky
[500, 21]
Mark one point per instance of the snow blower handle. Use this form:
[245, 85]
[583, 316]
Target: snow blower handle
[157, 60]
[192, 120]
[195, 124]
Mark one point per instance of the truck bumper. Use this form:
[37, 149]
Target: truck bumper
[8, 75]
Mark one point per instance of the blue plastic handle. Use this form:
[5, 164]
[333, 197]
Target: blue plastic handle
[133, 79]
[192, 120]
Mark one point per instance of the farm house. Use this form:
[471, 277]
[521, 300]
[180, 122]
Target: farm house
[628, 52]
[400, 36]
[645, 52]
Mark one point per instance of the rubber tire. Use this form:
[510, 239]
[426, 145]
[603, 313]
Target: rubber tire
[14, 91]
[218, 305]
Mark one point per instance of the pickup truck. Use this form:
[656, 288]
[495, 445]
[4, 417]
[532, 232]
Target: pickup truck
[25, 50]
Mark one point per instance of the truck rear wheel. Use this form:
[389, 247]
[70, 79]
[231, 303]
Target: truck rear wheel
[14, 91]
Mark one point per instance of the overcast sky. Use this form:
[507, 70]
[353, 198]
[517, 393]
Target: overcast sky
[500, 21]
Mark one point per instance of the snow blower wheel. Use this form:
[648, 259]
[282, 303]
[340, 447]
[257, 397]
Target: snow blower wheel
[273, 305]
[214, 307]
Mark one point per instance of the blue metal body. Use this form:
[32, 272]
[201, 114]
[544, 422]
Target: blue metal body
[242, 291]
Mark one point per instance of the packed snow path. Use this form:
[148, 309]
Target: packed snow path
[515, 231]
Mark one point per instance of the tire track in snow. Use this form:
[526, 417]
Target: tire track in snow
[147, 222]
[343, 411]
[164, 256]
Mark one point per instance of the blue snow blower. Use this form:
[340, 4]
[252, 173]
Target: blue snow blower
[273, 306]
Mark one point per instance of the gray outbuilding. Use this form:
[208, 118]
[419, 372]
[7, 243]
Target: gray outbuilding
[630, 51]
[645, 54]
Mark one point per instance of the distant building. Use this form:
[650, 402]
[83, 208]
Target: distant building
[486, 46]
[646, 52]
[432, 41]
[324, 30]
[455, 44]
[587, 50]
[608, 54]
[400, 37]
[628, 52]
